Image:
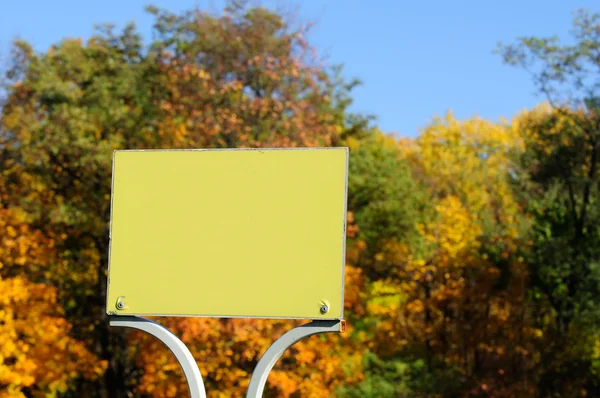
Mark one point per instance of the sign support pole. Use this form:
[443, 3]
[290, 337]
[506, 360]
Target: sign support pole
[183, 355]
[276, 350]
[263, 367]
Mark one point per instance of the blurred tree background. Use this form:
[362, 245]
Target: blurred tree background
[473, 258]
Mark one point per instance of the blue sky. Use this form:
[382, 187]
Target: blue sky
[416, 59]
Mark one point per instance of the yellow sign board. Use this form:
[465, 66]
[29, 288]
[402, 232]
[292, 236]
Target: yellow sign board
[228, 233]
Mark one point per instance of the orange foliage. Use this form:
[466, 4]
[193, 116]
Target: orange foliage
[190, 118]
[36, 351]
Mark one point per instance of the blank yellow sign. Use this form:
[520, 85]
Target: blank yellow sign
[228, 233]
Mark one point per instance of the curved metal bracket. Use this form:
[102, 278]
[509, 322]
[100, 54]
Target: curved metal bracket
[190, 367]
[183, 355]
[276, 350]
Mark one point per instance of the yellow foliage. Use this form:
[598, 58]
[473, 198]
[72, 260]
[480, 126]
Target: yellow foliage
[467, 159]
[443, 300]
[454, 233]
[36, 350]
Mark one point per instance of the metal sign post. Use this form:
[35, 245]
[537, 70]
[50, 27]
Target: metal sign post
[238, 233]
[263, 367]
[182, 353]
[276, 350]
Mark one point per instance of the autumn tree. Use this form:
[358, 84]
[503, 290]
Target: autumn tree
[567, 76]
[387, 205]
[240, 78]
[245, 79]
[469, 285]
[38, 357]
[559, 183]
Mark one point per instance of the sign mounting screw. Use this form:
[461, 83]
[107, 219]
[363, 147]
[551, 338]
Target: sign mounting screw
[120, 304]
[324, 309]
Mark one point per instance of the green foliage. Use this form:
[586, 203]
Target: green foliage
[385, 379]
[396, 377]
[387, 202]
[565, 73]
[559, 187]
